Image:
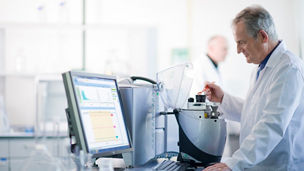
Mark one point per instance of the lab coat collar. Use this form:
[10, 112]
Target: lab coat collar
[273, 59]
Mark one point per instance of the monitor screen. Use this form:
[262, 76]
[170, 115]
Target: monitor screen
[98, 112]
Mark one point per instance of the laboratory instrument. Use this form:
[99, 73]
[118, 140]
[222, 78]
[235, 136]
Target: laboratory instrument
[202, 131]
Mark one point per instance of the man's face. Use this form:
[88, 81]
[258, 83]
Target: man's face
[218, 49]
[251, 48]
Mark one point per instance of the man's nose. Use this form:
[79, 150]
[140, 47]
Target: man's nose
[238, 49]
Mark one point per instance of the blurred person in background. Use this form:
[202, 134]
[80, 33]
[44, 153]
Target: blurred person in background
[206, 67]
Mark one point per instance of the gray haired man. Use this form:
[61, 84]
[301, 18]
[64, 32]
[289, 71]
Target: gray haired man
[272, 115]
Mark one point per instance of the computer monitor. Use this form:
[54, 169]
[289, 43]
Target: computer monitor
[96, 113]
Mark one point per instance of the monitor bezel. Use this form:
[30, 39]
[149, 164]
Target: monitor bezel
[80, 134]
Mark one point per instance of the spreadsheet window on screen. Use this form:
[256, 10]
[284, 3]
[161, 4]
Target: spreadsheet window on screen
[101, 114]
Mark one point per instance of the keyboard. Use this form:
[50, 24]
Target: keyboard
[169, 165]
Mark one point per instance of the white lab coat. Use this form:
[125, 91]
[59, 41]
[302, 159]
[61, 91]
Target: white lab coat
[204, 70]
[272, 116]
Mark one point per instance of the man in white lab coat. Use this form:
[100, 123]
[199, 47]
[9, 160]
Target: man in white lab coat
[272, 115]
[206, 67]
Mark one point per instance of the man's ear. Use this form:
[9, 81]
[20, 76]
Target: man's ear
[262, 35]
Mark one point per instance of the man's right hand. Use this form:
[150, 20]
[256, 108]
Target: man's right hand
[213, 92]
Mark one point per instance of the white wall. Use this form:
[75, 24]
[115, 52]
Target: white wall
[299, 13]
[169, 17]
